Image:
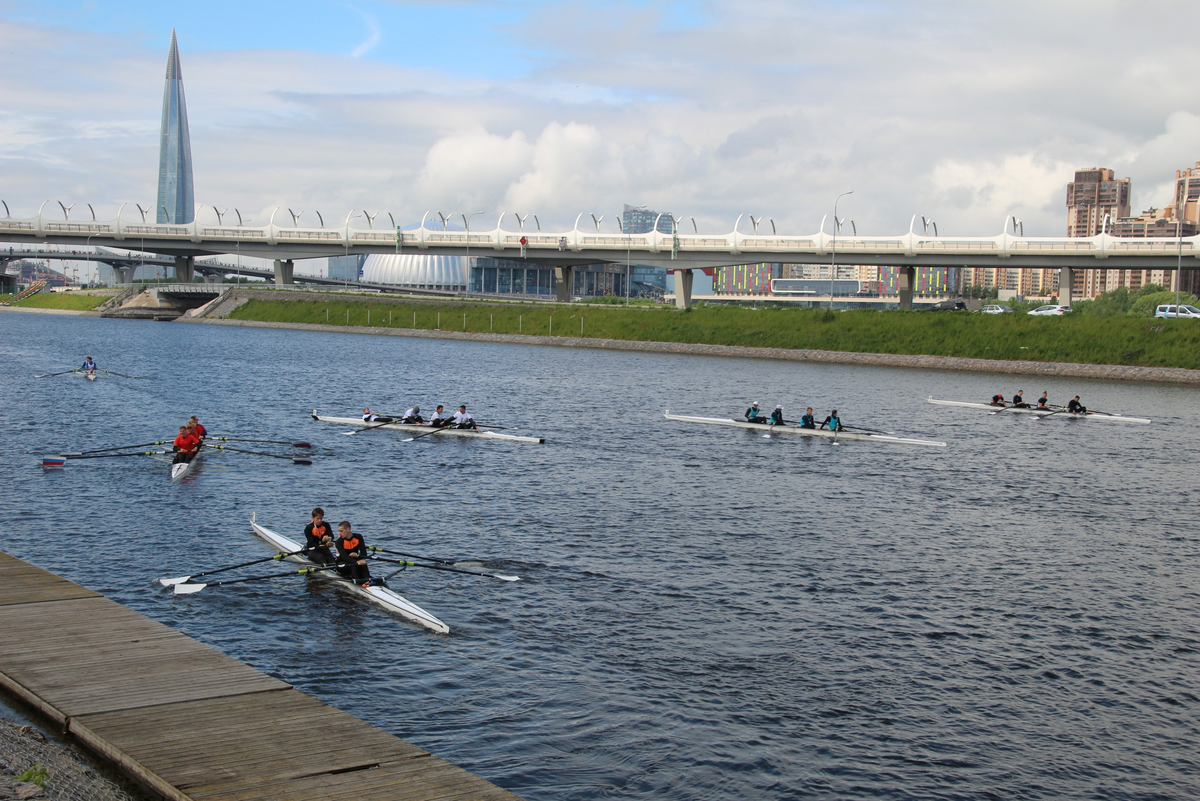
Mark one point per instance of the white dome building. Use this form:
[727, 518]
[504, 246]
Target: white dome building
[448, 273]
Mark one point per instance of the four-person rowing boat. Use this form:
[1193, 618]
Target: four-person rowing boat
[420, 428]
[1043, 411]
[382, 596]
[792, 428]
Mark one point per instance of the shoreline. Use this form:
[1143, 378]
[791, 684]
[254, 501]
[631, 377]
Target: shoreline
[37, 310]
[1107, 372]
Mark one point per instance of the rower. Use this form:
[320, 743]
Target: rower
[440, 418]
[186, 446]
[370, 417]
[463, 418]
[318, 536]
[1018, 400]
[88, 366]
[777, 416]
[1075, 407]
[1044, 401]
[413, 416]
[752, 415]
[807, 420]
[998, 400]
[352, 556]
[833, 421]
[201, 431]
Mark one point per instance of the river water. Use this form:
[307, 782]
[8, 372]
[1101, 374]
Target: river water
[704, 613]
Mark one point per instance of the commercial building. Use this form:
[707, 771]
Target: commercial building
[176, 203]
[641, 220]
[346, 268]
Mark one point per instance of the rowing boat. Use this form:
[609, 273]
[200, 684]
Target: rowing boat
[467, 433]
[791, 428]
[1111, 418]
[181, 469]
[383, 596]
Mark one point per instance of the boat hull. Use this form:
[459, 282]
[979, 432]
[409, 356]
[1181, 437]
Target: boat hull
[181, 469]
[419, 429]
[835, 436]
[381, 596]
[1100, 416]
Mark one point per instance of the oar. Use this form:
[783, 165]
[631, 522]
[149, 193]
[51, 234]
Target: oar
[434, 430]
[190, 588]
[116, 448]
[64, 372]
[295, 459]
[368, 428]
[168, 582]
[871, 430]
[1005, 409]
[58, 461]
[447, 569]
[110, 372]
[377, 549]
[268, 441]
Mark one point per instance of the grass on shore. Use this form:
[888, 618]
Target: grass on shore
[1074, 338]
[74, 301]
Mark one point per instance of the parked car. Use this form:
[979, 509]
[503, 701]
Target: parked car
[995, 308]
[949, 305]
[1050, 311]
[1172, 310]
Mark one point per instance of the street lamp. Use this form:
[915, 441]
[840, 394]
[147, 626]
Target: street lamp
[466, 218]
[833, 248]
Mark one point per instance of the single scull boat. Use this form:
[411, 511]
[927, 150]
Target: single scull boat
[1112, 418]
[790, 428]
[391, 601]
[420, 429]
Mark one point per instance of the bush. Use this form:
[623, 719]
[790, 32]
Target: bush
[1145, 305]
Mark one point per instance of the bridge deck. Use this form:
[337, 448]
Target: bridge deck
[188, 721]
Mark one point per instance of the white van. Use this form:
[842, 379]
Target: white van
[1171, 310]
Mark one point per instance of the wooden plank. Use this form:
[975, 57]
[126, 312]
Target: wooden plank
[21, 582]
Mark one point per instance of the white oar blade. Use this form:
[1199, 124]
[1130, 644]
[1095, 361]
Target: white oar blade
[171, 582]
[188, 589]
[506, 578]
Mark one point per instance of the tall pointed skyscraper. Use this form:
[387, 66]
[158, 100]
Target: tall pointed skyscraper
[175, 195]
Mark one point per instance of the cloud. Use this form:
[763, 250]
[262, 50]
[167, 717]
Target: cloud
[373, 37]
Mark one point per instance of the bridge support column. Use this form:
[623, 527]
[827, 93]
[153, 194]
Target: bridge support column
[185, 269]
[283, 271]
[124, 274]
[683, 288]
[564, 283]
[908, 278]
[1066, 277]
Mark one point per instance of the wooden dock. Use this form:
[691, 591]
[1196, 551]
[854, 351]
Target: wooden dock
[189, 722]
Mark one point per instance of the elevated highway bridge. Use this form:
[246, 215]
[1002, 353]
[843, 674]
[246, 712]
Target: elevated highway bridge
[679, 252]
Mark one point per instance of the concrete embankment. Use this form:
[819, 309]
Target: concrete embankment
[189, 722]
[1108, 372]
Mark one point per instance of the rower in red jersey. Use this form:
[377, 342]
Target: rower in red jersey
[201, 431]
[187, 445]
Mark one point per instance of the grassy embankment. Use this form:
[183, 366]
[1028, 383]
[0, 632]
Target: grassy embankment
[74, 301]
[1074, 338]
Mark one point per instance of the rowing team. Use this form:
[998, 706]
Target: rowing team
[89, 366]
[807, 420]
[351, 559]
[1018, 402]
[188, 442]
[440, 419]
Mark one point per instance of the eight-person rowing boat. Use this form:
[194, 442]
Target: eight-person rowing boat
[837, 432]
[461, 425]
[1074, 409]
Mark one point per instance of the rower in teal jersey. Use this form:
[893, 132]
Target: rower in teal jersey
[833, 421]
[777, 416]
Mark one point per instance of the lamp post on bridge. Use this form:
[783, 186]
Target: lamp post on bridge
[833, 249]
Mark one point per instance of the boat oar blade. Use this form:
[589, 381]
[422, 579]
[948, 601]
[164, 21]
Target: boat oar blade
[187, 589]
[53, 462]
[301, 444]
[171, 582]
[301, 460]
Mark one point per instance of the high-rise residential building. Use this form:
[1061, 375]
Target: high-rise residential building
[1187, 195]
[1092, 196]
[640, 220]
[176, 203]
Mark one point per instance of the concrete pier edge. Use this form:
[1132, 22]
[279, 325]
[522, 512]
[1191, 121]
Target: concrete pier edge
[1107, 372]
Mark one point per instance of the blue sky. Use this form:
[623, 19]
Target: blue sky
[959, 112]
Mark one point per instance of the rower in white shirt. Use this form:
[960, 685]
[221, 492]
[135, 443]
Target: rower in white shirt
[413, 416]
[441, 418]
[463, 418]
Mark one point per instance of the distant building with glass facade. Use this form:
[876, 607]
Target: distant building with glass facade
[640, 220]
[746, 279]
[346, 268]
[176, 201]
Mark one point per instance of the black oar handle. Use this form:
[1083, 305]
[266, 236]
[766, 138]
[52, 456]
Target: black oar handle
[377, 549]
[278, 556]
[301, 571]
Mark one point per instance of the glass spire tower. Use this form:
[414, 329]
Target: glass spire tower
[175, 196]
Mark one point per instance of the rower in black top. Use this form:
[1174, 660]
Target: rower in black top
[318, 536]
[352, 556]
[833, 421]
[1044, 401]
[807, 420]
[998, 400]
[1075, 407]
[1018, 400]
[777, 416]
[753, 414]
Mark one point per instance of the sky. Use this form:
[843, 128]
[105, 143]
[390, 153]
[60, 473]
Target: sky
[961, 112]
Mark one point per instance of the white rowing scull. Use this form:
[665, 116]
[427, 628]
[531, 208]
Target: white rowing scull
[181, 469]
[422, 429]
[791, 428]
[382, 596]
[1111, 418]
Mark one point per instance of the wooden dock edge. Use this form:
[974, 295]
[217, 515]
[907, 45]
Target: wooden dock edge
[189, 723]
